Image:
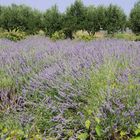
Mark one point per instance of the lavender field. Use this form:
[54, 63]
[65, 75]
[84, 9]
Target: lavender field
[69, 90]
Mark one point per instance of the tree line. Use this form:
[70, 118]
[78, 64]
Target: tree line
[76, 17]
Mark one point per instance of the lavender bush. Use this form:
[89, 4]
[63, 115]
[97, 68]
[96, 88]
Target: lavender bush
[69, 89]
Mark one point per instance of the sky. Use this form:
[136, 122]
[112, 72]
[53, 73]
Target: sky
[42, 5]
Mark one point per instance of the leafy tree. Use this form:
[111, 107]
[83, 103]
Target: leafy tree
[35, 23]
[135, 18]
[101, 17]
[77, 17]
[74, 18]
[21, 17]
[52, 21]
[115, 19]
[91, 20]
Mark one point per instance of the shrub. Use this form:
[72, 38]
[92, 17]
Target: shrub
[1, 30]
[83, 35]
[58, 35]
[137, 38]
[41, 33]
[14, 35]
[125, 36]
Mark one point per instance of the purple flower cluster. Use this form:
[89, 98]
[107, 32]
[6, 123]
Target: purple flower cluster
[55, 75]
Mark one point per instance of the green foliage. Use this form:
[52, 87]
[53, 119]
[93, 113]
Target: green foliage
[77, 17]
[5, 80]
[43, 117]
[98, 130]
[83, 35]
[137, 131]
[90, 24]
[135, 18]
[58, 35]
[21, 17]
[41, 33]
[97, 120]
[98, 127]
[97, 82]
[125, 36]
[12, 128]
[101, 17]
[92, 19]
[19, 134]
[87, 124]
[1, 30]
[14, 35]
[83, 136]
[86, 134]
[137, 38]
[115, 19]
[137, 138]
[97, 85]
[52, 21]
[74, 18]
[6, 84]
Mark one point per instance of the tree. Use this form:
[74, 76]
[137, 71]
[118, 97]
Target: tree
[101, 17]
[21, 17]
[135, 18]
[90, 24]
[115, 19]
[52, 21]
[74, 18]
[35, 23]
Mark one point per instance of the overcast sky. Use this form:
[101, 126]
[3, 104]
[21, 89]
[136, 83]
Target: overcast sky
[62, 4]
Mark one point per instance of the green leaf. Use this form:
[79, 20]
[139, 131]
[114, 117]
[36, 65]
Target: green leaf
[137, 131]
[8, 138]
[89, 112]
[87, 124]
[5, 130]
[137, 138]
[122, 134]
[98, 130]
[97, 120]
[139, 126]
[83, 136]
